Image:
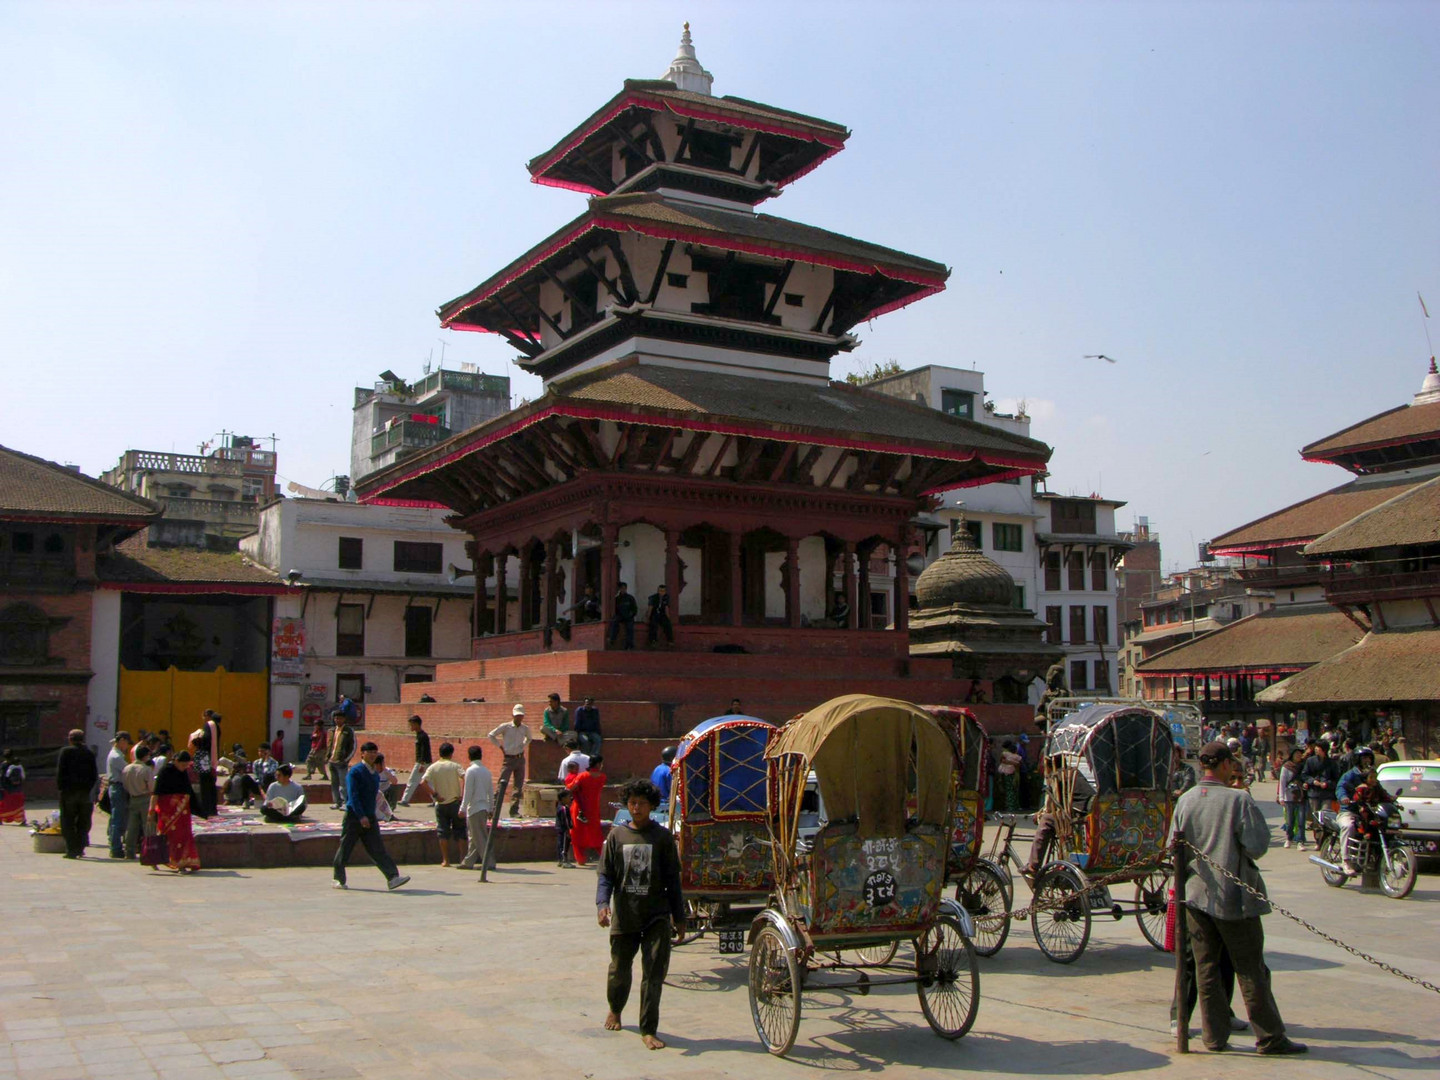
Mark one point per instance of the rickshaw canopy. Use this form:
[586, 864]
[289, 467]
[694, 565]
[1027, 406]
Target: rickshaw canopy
[858, 745]
[723, 763]
[1125, 746]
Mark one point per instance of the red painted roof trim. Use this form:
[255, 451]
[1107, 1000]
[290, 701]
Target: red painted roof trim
[1262, 545]
[658, 231]
[836, 143]
[196, 588]
[79, 517]
[1019, 466]
[1340, 451]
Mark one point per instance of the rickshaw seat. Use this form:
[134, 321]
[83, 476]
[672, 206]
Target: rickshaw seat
[1127, 827]
[841, 862]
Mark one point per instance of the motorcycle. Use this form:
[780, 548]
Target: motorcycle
[1377, 848]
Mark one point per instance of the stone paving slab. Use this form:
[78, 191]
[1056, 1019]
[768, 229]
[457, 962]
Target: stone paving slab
[114, 972]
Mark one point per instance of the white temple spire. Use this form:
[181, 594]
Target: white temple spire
[685, 70]
[1430, 388]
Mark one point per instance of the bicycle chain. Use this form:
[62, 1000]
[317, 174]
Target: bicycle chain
[1310, 926]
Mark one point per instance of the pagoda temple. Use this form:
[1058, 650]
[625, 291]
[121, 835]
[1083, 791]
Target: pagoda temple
[689, 434]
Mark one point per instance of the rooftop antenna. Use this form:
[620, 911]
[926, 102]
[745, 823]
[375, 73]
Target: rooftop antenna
[1425, 322]
[443, 343]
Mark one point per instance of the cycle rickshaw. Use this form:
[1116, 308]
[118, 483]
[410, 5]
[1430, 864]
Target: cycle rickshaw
[720, 798]
[981, 887]
[1106, 816]
[872, 876]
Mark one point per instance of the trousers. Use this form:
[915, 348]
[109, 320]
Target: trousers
[350, 833]
[1244, 940]
[135, 825]
[479, 848]
[1294, 827]
[514, 767]
[653, 945]
[76, 811]
[413, 784]
[337, 782]
[119, 817]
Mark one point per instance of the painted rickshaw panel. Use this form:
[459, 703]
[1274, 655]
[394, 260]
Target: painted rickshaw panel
[720, 799]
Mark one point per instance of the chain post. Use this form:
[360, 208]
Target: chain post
[1182, 944]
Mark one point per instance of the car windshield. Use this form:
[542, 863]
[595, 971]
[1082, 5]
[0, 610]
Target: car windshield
[1412, 781]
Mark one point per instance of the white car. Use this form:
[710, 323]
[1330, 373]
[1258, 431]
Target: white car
[1416, 787]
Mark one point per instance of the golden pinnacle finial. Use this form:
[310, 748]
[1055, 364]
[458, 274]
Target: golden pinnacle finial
[687, 27]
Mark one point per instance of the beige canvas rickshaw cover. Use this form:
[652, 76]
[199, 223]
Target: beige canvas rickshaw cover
[859, 747]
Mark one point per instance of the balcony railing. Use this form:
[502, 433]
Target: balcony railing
[1276, 577]
[214, 511]
[1346, 586]
[464, 381]
[408, 433]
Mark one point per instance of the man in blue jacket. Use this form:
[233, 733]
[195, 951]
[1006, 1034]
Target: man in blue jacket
[1363, 761]
[361, 786]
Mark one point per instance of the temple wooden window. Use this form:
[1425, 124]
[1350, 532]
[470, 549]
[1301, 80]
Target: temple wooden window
[351, 555]
[959, 403]
[1077, 623]
[19, 724]
[1007, 537]
[24, 636]
[736, 289]
[350, 630]
[1073, 516]
[1102, 675]
[414, 557]
[1079, 675]
[586, 288]
[1076, 568]
[419, 627]
[711, 149]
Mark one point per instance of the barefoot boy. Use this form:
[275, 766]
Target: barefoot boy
[639, 900]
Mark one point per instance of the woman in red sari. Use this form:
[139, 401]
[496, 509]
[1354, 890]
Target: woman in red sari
[170, 809]
[585, 834]
[12, 790]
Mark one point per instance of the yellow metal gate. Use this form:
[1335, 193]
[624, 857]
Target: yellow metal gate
[174, 700]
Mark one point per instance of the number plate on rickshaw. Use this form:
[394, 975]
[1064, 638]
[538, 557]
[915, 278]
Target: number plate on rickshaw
[732, 939]
[880, 889]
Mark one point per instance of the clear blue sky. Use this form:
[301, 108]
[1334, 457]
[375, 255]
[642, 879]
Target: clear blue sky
[224, 216]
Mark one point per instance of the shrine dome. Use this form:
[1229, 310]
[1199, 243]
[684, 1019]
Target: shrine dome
[964, 576]
[1430, 388]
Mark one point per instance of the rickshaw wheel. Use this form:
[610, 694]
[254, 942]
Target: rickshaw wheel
[1151, 901]
[875, 955]
[1061, 918]
[1330, 851]
[697, 921]
[1397, 873]
[949, 978]
[774, 992]
[983, 894]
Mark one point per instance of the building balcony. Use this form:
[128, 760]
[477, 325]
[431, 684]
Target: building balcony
[212, 511]
[1279, 577]
[408, 434]
[471, 382]
[1345, 586]
[156, 461]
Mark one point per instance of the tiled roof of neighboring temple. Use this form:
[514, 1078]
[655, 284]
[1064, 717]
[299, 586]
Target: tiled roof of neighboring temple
[1283, 638]
[1408, 519]
[1406, 422]
[1302, 522]
[31, 487]
[1398, 665]
[133, 562]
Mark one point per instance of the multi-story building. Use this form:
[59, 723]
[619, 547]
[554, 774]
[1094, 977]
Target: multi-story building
[373, 606]
[1137, 579]
[394, 419]
[1078, 547]
[208, 499]
[53, 521]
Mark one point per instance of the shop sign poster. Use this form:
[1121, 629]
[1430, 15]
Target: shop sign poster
[287, 648]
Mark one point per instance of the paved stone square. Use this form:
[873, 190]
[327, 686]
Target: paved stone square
[110, 971]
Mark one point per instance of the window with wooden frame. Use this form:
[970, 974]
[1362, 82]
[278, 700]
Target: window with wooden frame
[1052, 571]
[1079, 675]
[350, 630]
[419, 631]
[417, 557]
[1077, 624]
[1100, 572]
[1053, 619]
[1076, 569]
[351, 555]
[1007, 536]
[1100, 623]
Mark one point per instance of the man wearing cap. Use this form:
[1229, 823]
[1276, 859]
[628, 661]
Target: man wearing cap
[1224, 827]
[1359, 772]
[512, 738]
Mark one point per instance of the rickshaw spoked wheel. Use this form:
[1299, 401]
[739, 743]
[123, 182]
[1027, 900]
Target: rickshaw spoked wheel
[1061, 916]
[871, 955]
[983, 894]
[697, 921]
[1152, 898]
[948, 981]
[774, 991]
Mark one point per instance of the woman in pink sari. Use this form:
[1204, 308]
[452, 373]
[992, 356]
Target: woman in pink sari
[585, 832]
[170, 809]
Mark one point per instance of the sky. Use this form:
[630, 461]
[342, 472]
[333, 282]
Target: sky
[224, 216]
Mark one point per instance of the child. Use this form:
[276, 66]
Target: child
[640, 877]
[386, 777]
[562, 828]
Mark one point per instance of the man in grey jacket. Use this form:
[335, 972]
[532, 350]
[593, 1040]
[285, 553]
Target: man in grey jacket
[1222, 823]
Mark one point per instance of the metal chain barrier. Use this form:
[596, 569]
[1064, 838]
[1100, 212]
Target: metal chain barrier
[1082, 894]
[1310, 926]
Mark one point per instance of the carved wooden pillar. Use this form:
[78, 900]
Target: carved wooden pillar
[862, 608]
[527, 572]
[672, 572]
[609, 573]
[547, 588]
[737, 592]
[577, 571]
[853, 619]
[502, 571]
[902, 585]
[792, 581]
[484, 619]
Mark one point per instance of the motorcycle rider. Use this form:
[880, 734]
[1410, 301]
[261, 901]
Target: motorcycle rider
[1350, 801]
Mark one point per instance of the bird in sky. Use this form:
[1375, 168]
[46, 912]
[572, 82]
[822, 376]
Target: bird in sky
[1100, 356]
